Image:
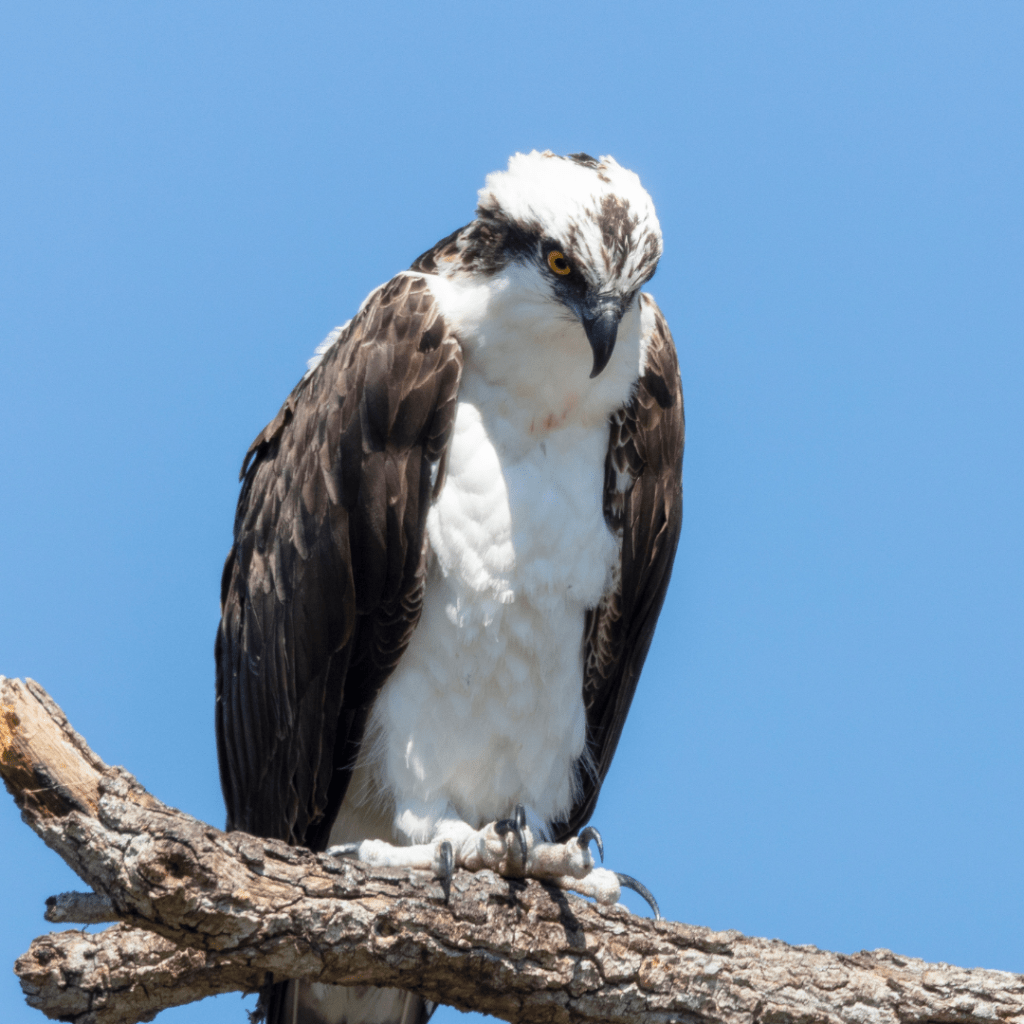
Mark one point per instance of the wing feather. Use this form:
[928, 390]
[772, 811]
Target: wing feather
[643, 503]
[324, 583]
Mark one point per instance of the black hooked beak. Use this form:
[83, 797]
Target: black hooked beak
[600, 319]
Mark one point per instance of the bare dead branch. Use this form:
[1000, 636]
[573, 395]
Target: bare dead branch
[80, 908]
[122, 974]
[205, 912]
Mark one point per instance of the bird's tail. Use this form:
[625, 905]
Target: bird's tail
[306, 1002]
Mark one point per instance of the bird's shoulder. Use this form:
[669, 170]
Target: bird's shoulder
[647, 432]
[398, 337]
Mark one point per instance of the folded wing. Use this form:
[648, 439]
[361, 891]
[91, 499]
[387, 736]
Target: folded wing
[643, 503]
[324, 583]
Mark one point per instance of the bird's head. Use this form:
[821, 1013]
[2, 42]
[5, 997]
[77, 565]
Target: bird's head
[582, 231]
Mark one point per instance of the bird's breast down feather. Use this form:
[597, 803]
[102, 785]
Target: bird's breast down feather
[485, 708]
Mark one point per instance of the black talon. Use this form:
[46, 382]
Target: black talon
[519, 816]
[507, 825]
[589, 835]
[447, 868]
[631, 883]
[514, 824]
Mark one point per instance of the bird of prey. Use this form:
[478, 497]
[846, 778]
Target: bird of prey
[450, 550]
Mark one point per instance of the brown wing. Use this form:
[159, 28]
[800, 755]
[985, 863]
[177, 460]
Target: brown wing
[324, 584]
[643, 503]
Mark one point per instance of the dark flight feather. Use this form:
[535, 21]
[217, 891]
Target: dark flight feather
[645, 454]
[324, 584]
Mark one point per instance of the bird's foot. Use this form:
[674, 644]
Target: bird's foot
[508, 848]
[569, 865]
[438, 858]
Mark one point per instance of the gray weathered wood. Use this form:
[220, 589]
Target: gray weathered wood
[80, 908]
[203, 912]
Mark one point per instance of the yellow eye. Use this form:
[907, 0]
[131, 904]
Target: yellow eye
[558, 263]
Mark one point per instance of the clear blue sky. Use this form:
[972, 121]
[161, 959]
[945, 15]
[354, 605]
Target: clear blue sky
[826, 743]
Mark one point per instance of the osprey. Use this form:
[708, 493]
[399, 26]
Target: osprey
[450, 550]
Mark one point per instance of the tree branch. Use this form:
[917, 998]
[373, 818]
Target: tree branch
[80, 908]
[204, 912]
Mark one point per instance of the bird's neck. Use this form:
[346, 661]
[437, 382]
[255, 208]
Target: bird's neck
[527, 360]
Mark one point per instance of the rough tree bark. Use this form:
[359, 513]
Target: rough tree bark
[201, 912]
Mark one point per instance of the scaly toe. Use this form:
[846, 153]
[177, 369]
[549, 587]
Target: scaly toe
[344, 850]
[599, 884]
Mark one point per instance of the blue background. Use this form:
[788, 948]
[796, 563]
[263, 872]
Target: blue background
[826, 744]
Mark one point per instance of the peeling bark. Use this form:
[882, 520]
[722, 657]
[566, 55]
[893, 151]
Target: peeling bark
[203, 912]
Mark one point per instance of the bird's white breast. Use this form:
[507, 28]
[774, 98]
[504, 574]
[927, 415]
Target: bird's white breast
[485, 709]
